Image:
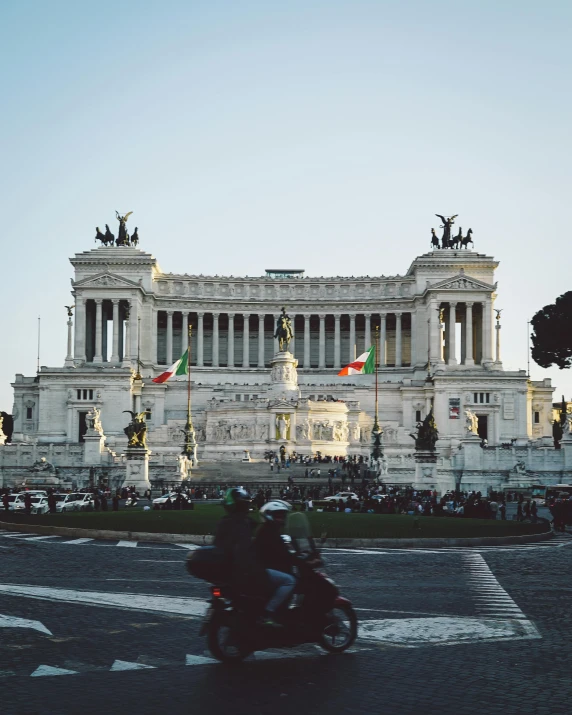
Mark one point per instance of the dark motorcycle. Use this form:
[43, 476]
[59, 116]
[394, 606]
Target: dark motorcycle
[316, 613]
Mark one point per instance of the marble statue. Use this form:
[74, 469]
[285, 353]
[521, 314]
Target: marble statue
[284, 331]
[283, 426]
[93, 420]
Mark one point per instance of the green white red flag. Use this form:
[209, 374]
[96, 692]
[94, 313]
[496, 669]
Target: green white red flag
[181, 367]
[363, 365]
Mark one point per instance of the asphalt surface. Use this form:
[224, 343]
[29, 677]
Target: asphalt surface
[90, 626]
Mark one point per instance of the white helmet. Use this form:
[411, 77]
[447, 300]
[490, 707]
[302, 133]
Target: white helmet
[271, 507]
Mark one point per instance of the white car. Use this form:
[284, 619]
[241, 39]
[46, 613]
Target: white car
[160, 501]
[40, 505]
[342, 495]
[78, 501]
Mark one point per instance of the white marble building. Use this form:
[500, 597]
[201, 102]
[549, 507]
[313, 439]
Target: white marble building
[440, 310]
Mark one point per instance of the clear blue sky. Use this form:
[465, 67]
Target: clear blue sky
[242, 132]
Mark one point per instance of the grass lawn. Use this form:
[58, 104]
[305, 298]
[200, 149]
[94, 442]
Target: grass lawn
[203, 520]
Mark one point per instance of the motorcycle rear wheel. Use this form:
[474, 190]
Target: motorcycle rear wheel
[340, 631]
[224, 641]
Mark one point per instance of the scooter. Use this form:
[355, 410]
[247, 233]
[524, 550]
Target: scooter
[316, 613]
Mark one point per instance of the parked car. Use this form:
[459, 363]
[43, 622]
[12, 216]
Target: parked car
[76, 502]
[342, 495]
[40, 505]
[160, 502]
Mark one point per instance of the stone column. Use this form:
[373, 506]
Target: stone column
[398, 341]
[367, 339]
[307, 342]
[352, 354]
[322, 342]
[337, 343]
[261, 317]
[98, 331]
[276, 341]
[293, 341]
[487, 331]
[80, 329]
[452, 333]
[185, 332]
[497, 352]
[134, 329]
[127, 339]
[115, 350]
[230, 347]
[246, 341]
[169, 337]
[69, 355]
[200, 340]
[437, 355]
[469, 358]
[413, 343]
[215, 340]
[383, 340]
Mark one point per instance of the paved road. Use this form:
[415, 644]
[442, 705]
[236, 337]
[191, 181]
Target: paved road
[111, 627]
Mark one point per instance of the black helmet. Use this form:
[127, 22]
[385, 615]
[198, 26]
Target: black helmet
[237, 499]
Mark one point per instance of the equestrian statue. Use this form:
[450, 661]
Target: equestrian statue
[284, 331]
[136, 430]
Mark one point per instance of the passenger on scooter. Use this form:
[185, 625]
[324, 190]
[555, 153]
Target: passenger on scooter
[234, 536]
[275, 556]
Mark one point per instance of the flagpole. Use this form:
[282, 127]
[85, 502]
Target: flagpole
[376, 452]
[190, 446]
[189, 423]
[376, 378]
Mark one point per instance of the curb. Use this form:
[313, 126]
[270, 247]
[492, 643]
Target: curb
[206, 539]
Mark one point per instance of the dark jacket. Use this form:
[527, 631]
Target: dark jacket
[271, 549]
[234, 537]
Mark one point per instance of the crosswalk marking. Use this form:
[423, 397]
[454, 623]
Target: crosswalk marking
[77, 541]
[40, 538]
[128, 544]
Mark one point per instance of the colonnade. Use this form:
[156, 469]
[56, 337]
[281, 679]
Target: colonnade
[475, 319]
[327, 340]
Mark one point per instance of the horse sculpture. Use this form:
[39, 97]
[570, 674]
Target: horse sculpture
[284, 331]
[100, 236]
[434, 239]
[468, 239]
[135, 238]
[109, 237]
[457, 240]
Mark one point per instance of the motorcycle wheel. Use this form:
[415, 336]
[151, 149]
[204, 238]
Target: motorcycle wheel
[223, 641]
[340, 630]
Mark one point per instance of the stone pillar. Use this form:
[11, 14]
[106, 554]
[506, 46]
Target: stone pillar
[115, 349]
[215, 340]
[98, 330]
[200, 340]
[497, 352]
[137, 468]
[398, 341]
[69, 355]
[367, 339]
[322, 344]
[307, 342]
[246, 341]
[276, 341]
[440, 358]
[383, 340]
[337, 343]
[169, 337]
[230, 347]
[469, 358]
[352, 354]
[134, 329]
[452, 333]
[185, 332]
[127, 340]
[413, 341]
[487, 331]
[261, 317]
[80, 329]
[293, 341]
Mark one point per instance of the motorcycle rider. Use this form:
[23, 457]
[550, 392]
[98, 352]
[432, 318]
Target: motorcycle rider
[275, 555]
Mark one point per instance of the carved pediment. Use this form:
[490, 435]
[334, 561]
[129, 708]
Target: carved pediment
[461, 282]
[106, 280]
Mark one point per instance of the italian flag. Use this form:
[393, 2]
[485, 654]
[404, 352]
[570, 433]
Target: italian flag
[181, 367]
[364, 365]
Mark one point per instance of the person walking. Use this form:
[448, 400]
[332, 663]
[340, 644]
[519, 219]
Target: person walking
[115, 502]
[533, 511]
[5, 501]
[28, 503]
[502, 509]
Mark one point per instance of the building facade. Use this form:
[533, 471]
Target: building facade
[439, 345]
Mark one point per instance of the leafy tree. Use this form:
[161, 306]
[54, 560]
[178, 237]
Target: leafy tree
[552, 336]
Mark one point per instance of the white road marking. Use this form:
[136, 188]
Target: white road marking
[77, 542]
[491, 599]
[198, 660]
[40, 538]
[134, 601]
[14, 622]
[190, 547]
[49, 670]
[162, 561]
[126, 665]
[415, 632]
[16, 535]
[128, 544]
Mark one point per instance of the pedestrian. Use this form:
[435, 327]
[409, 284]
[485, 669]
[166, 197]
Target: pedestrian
[5, 501]
[103, 502]
[519, 511]
[502, 509]
[533, 511]
[28, 503]
[115, 502]
[494, 507]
